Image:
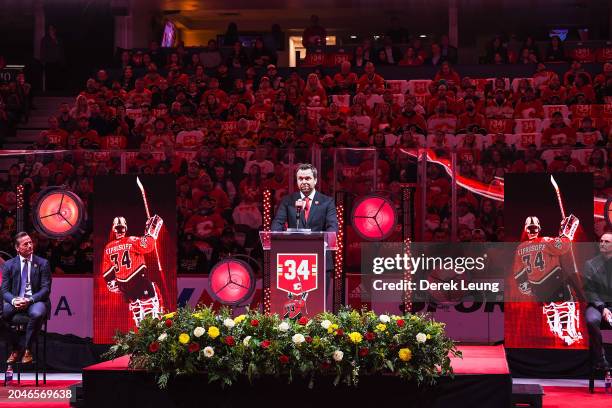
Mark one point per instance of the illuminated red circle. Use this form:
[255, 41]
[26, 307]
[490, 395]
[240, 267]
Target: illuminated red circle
[58, 213]
[231, 281]
[373, 217]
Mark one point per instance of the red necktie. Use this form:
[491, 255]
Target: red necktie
[307, 209]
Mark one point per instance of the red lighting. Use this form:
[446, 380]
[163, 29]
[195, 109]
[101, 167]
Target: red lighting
[374, 218]
[231, 281]
[58, 213]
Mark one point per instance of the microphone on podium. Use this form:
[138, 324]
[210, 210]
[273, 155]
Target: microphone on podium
[299, 206]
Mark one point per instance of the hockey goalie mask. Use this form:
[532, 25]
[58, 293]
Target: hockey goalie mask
[119, 227]
[532, 227]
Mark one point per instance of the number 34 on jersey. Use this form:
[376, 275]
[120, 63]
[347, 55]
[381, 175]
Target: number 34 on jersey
[296, 273]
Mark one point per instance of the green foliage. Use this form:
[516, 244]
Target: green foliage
[342, 346]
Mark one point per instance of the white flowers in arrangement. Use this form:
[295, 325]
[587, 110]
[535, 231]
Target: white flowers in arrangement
[298, 338]
[209, 352]
[284, 326]
[229, 323]
[421, 338]
[162, 337]
[338, 355]
[325, 324]
[384, 318]
[199, 331]
[246, 341]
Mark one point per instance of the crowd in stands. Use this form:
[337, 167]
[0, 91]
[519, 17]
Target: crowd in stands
[15, 101]
[229, 134]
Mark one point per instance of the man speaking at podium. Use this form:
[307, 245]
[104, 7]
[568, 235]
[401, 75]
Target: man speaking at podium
[307, 208]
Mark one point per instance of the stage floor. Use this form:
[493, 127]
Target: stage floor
[482, 379]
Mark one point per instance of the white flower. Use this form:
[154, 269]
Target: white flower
[199, 331]
[246, 340]
[421, 338]
[209, 351]
[338, 355]
[384, 318]
[229, 323]
[162, 337]
[284, 326]
[298, 338]
[325, 324]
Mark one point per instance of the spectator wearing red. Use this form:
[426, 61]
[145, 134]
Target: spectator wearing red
[447, 74]
[529, 106]
[470, 116]
[554, 93]
[442, 94]
[572, 73]
[344, 81]
[587, 135]
[564, 162]
[499, 107]
[56, 136]
[84, 136]
[442, 120]
[411, 58]
[371, 82]
[543, 76]
[314, 95]
[583, 87]
[139, 91]
[409, 117]
[558, 134]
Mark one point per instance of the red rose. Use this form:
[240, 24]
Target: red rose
[229, 340]
[265, 344]
[283, 359]
[168, 323]
[154, 347]
[400, 323]
[369, 336]
[364, 351]
[325, 365]
[135, 330]
[339, 332]
[303, 321]
[254, 322]
[193, 347]
[308, 339]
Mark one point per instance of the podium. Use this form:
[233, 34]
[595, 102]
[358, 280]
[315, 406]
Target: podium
[295, 270]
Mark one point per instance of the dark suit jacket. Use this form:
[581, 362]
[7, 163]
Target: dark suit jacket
[40, 279]
[322, 216]
[598, 283]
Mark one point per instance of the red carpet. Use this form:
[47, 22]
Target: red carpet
[476, 360]
[576, 397]
[30, 385]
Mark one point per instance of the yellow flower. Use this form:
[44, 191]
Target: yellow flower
[428, 336]
[184, 338]
[405, 354]
[198, 315]
[355, 337]
[169, 315]
[381, 327]
[332, 328]
[395, 317]
[213, 332]
[239, 319]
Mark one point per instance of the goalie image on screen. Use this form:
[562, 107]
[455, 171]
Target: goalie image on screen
[549, 222]
[538, 272]
[125, 269]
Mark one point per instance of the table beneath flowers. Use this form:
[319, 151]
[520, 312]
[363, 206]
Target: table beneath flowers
[355, 357]
[482, 379]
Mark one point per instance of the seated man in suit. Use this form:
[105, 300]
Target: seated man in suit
[26, 284]
[598, 291]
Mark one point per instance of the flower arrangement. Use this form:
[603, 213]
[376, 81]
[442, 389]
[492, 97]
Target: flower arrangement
[342, 346]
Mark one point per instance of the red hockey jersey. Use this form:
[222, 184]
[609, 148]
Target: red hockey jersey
[124, 257]
[539, 258]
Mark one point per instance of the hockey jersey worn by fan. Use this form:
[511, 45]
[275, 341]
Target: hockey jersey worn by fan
[537, 260]
[124, 257]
